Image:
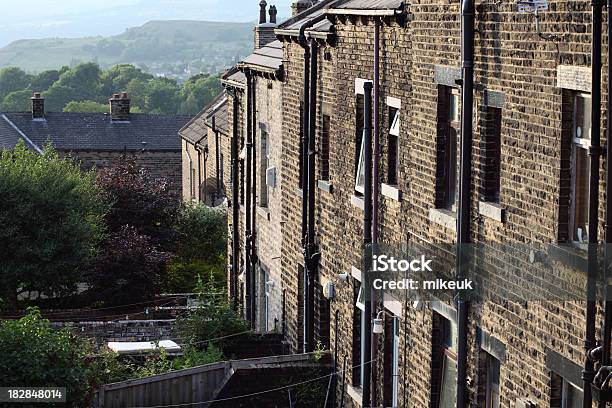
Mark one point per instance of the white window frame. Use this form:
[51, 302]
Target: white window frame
[567, 385]
[395, 362]
[490, 403]
[359, 183]
[264, 164]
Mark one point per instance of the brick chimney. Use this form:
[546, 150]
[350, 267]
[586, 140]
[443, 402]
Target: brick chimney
[302, 5]
[38, 106]
[263, 33]
[120, 107]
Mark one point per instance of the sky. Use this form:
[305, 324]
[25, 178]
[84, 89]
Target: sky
[79, 18]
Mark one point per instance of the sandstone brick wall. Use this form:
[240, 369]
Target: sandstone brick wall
[159, 164]
[193, 166]
[224, 160]
[420, 53]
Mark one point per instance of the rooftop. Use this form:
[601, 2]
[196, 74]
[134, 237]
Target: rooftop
[93, 131]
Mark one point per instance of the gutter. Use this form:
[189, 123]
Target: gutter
[235, 199]
[363, 12]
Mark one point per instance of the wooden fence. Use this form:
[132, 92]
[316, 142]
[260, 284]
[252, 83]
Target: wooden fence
[197, 386]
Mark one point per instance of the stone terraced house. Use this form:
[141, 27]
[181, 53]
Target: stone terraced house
[98, 140]
[533, 184]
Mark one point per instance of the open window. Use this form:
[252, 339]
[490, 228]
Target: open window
[393, 146]
[489, 388]
[444, 362]
[359, 146]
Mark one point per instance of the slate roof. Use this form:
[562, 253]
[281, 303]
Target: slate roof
[234, 77]
[96, 131]
[8, 135]
[371, 4]
[292, 26]
[197, 128]
[268, 58]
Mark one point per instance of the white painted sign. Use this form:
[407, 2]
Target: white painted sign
[530, 6]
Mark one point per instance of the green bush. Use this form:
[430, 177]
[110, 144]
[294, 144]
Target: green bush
[33, 354]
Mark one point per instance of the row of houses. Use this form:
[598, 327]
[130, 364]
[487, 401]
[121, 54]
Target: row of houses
[307, 187]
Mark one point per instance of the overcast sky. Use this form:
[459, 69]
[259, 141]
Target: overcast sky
[76, 18]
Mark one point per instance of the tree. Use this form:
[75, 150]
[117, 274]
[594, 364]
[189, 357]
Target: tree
[58, 96]
[51, 222]
[139, 201]
[86, 106]
[129, 268]
[198, 92]
[12, 79]
[84, 80]
[44, 80]
[17, 101]
[117, 78]
[161, 96]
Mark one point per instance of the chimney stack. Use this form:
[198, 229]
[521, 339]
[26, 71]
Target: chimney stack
[302, 5]
[120, 107]
[262, 11]
[263, 33]
[273, 13]
[38, 106]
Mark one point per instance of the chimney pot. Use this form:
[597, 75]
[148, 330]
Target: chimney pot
[262, 11]
[120, 107]
[273, 13]
[38, 106]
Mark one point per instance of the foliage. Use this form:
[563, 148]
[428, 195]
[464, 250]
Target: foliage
[158, 362]
[214, 318]
[130, 268]
[33, 354]
[51, 222]
[203, 233]
[86, 106]
[87, 88]
[17, 101]
[140, 201]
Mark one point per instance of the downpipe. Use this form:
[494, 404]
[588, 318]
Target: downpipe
[247, 206]
[588, 373]
[465, 190]
[235, 199]
[254, 258]
[367, 242]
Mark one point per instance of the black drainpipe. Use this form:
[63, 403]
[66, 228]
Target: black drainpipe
[588, 373]
[254, 199]
[309, 108]
[607, 329]
[367, 241]
[235, 199]
[311, 257]
[375, 182]
[247, 206]
[465, 189]
[217, 158]
[200, 173]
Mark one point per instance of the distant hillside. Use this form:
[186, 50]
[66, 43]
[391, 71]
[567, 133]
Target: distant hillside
[174, 48]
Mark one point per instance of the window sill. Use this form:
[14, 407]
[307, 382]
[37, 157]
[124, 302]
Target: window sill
[391, 191]
[356, 394]
[570, 255]
[264, 212]
[298, 192]
[446, 218]
[492, 210]
[325, 185]
[357, 202]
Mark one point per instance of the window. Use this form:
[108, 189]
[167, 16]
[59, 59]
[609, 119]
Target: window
[358, 335]
[448, 138]
[391, 360]
[580, 165]
[264, 297]
[301, 155]
[490, 386]
[193, 183]
[221, 173]
[565, 394]
[325, 148]
[490, 146]
[264, 163]
[359, 146]
[393, 145]
[444, 362]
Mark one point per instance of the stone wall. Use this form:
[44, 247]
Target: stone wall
[122, 330]
[159, 164]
